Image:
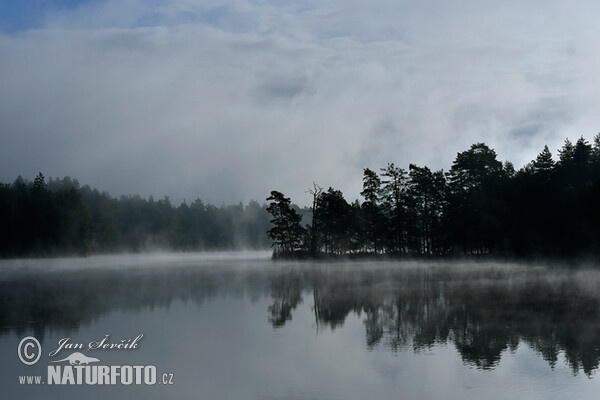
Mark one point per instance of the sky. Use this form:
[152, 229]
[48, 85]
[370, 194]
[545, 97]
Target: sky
[228, 100]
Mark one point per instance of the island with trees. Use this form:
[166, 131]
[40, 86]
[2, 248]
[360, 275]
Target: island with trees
[481, 206]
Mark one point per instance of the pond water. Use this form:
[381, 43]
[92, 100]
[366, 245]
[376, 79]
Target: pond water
[240, 326]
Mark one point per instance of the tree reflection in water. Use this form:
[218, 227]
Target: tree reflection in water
[482, 310]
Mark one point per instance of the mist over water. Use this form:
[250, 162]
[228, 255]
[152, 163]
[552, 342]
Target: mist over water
[239, 325]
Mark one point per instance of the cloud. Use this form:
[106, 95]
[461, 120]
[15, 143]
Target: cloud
[228, 100]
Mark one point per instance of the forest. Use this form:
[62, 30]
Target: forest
[480, 206]
[60, 217]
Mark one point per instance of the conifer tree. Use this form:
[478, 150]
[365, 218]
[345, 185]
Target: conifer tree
[286, 233]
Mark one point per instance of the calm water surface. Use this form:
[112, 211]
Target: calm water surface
[239, 326]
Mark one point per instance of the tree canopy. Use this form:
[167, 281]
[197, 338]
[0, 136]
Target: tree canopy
[60, 217]
[480, 206]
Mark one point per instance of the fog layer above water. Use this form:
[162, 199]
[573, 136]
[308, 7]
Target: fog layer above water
[481, 309]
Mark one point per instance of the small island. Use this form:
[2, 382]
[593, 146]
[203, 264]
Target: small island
[481, 206]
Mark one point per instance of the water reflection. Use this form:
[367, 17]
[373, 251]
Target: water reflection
[43, 301]
[483, 311]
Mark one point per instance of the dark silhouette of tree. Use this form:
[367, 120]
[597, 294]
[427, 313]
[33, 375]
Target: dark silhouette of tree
[39, 185]
[596, 154]
[427, 192]
[371, 208]
[358, 231]
[39, 221]
[566, 153]
[481, 206]
[335, 226]
[393, 193]
[315, 228]
[60, 217]
[286, 233]
[543, 165]
[473, 188]
[475, 167]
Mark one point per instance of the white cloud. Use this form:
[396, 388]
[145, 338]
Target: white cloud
[226, 101]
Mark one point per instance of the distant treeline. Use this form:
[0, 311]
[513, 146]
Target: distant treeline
[480, 206]
[60, 217]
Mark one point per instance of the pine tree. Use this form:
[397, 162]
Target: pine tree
[39, 184]
[287, 234]
[371, 186]
[596, 153]
[566, 153]
[393, 196]
[543, 165]
[374, 218]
